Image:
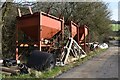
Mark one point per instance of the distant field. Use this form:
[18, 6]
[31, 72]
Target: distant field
[115, 27]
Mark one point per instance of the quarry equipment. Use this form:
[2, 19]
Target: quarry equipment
[38, 30]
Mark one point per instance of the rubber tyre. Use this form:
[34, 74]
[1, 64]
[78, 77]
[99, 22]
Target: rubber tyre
[41, 60]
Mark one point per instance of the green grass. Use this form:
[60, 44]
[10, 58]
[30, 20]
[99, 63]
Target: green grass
[115, 27]
[57, 70]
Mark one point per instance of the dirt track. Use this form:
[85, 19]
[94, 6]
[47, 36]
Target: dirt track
[104, 65]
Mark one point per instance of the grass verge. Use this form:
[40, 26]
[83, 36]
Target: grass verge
[57, 70]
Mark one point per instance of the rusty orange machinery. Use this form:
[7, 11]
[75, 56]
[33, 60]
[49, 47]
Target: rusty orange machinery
[38, 26]
[79, 33]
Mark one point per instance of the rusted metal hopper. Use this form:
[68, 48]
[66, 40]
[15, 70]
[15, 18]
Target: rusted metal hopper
[38, 26]
[79, 32]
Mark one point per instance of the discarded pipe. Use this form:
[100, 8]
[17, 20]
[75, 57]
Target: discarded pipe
[19, 12]
[30, 10]
[5, 69]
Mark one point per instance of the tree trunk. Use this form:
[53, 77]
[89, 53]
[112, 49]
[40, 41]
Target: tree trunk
[1, 24]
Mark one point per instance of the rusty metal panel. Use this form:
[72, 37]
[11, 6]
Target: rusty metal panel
[29, 25]
[74, 29]
[50, 26]
[28, 21]
[48, 32]
[82, 31]
[50, 22]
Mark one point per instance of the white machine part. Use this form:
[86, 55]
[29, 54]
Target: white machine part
[72, 46]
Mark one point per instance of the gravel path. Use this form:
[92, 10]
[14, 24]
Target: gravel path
[104, 65]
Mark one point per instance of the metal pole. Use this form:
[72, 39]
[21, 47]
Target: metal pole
[30, 10]
[19, 12]
[62, 28]
[17, 42]
[40, 31]
[78, 35]
[84, 39]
